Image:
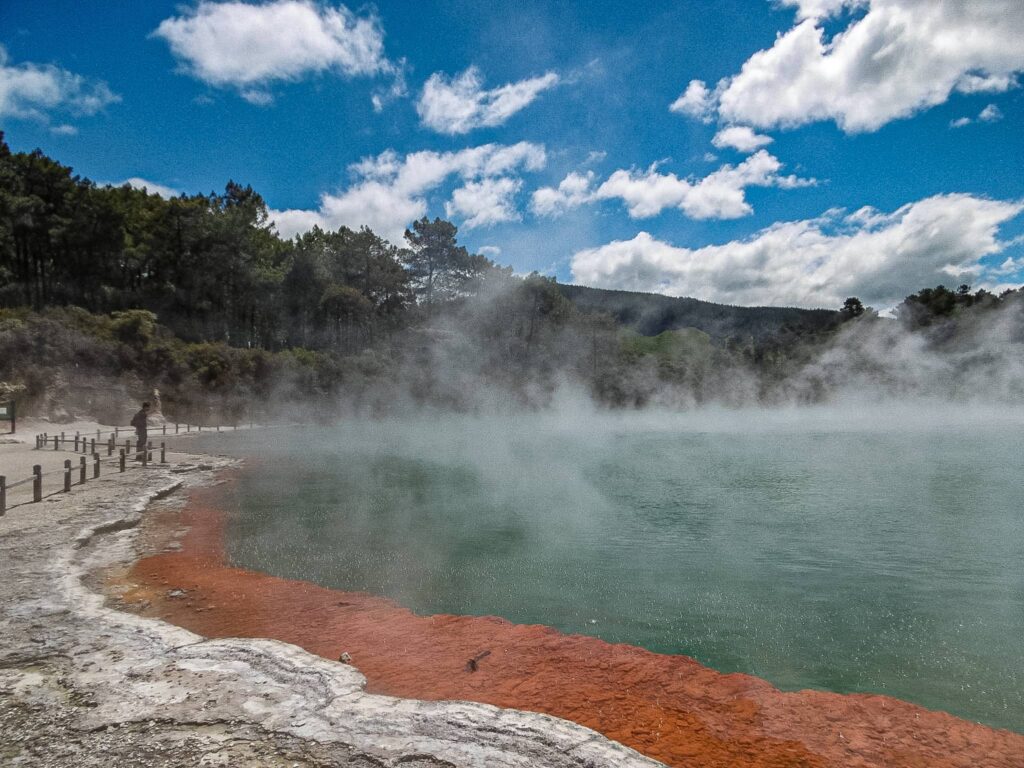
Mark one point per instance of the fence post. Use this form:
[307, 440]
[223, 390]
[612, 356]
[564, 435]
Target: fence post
[56, 446]
[81, 470]
[67, 475]
[95, 465]
[145, 461]
[115, 433]
[127, 446]
[149, 451]
[122, 460]
[175, 427]
[188, 427]
[163, 428]
[3, 495]
[76, 443]
[92, 445]
[37, 483]
[163, 453]
[110, 445]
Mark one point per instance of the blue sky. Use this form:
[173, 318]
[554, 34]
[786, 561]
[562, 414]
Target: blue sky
[791, 152]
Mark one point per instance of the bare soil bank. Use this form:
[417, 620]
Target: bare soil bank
[669, 708]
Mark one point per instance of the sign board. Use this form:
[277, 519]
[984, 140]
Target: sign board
[7, 413]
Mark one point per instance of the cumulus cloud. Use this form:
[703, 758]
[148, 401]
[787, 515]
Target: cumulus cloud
[37, 91]
[248, 46]
[573, 191]
[719, 195]
[485, 202]
[389, 191]
[899, 57]
[150, 186]
[696, 101]
[990, 114]
[880, 257]
[741, 138]
[456, 105]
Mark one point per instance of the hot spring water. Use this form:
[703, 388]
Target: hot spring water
[873, 551]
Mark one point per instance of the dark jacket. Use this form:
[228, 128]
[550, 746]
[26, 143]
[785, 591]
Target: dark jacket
[139, 421]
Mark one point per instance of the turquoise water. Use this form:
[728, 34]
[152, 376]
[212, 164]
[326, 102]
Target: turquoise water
[878, 552]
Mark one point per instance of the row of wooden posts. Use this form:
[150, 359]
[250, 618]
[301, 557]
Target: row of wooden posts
[44, 439]
[146, 456]
[87, 445]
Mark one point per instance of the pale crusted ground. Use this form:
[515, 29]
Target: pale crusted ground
[82, 684]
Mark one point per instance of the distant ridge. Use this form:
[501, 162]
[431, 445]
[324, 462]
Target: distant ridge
[652, 313]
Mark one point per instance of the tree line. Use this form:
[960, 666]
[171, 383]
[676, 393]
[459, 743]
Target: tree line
[212, 267]
[113, 288]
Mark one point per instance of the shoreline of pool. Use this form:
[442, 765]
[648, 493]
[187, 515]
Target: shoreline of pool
[669, 708]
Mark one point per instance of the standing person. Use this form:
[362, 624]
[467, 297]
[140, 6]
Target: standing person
[141, 423]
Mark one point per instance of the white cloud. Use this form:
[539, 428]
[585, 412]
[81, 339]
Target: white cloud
[248, 46]
[485, 202]
[898, 58]
[990, 114]
[456, 105]
[573, 191]
[880, 257]
[696, 101]
[36, 91]
[741, 138]
[719, 195]
[389, 191]
[821, 9]
[490, 251]
[64, 130]
[150, 186]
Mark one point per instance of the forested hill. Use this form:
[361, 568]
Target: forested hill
[651, 313]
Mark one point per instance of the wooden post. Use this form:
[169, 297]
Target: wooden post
[56, 446]
[3, 495]
[67, 475]
[81, 470]
[95, 465]
[175, 427]
[110, 445]
[115, 433]
[127, 446]
[163, 428]
[76, 443]
[92, 445]
[122, 460]
[188, 427]
[163, 453]
[37, 483]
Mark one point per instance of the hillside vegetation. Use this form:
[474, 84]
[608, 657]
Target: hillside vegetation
[109, 292]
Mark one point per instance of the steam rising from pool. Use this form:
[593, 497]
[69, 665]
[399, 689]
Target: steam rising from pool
[842, 548]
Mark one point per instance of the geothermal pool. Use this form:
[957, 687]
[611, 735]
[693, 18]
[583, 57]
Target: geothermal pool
[855, 550]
